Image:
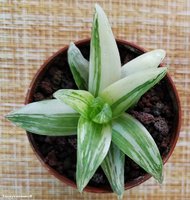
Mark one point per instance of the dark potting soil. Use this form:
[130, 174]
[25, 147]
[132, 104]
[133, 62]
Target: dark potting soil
[154, 110]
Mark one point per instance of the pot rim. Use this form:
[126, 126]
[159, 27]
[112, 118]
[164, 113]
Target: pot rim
[66, 180]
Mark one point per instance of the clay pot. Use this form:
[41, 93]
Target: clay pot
[173, 94]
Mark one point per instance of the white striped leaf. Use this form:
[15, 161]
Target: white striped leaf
[93, 142]
[136, 94]
[122, 94]
[79, 100]
[113, 167]
[137, 143]
[105, 64]
[79, 66]
[143, 62]
[48, 117]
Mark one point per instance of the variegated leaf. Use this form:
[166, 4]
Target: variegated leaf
[104, 116]
[122, 94]
[79, 100]
[105, 65]
[48, 117]
[93, 144]
[143, 62]
[79, 66]
[113, 167]
[137, 143]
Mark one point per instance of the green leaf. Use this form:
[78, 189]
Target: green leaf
[137, 143]
[79, 66]
[113, 167]
[48, 117]
[105, 64]
[122, 94]
[93, 142]
[99, 111]
[143, 62]
[79, 100]
[104, 116]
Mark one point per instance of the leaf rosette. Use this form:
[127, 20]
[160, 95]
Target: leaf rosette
[97, 111]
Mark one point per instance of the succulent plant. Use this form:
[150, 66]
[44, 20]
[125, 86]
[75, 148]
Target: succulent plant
[96, 112]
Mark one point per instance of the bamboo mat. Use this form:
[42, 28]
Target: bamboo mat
[31, 30]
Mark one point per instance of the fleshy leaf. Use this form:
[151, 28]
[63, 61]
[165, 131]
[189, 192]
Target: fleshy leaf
[95, 107]
[48, 117]
[137, 143]
[122, 94]
[104, 116]
[93, 142]
[79, 100]
[113, 167]
[105, 64]
[143, 62]
[79, 66]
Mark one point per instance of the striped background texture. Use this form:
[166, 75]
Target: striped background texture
[31, 30]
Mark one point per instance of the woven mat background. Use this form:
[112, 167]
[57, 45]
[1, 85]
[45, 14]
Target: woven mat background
[31, 30]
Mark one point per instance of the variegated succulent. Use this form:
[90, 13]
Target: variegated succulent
[97, 111]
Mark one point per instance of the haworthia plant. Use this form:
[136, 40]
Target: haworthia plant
[105, 133]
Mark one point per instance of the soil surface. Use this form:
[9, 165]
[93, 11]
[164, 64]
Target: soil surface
[154, 110]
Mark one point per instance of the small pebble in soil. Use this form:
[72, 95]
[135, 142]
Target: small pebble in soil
[143, 117]
[161, 125]
[160, 105]
[167, 111]
[146, 110]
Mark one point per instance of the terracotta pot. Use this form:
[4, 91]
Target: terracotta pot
[176, 127]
